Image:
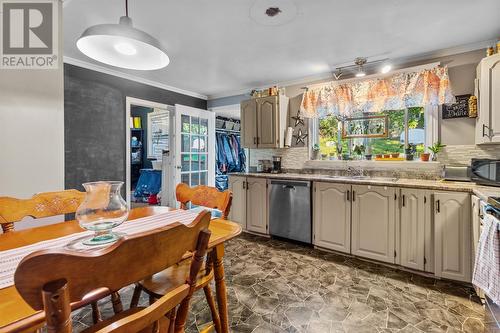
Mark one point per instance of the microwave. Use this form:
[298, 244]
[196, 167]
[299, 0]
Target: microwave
[485, 171]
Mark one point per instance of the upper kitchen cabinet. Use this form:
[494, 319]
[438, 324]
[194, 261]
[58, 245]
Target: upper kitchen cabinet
[373, 222]
[264, 121]
[452, 232]
[488, 91]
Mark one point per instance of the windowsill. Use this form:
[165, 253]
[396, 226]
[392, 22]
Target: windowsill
[376, 165]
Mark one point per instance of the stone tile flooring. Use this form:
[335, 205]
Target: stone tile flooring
[275, 286]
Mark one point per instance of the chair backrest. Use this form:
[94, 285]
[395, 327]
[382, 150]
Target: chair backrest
[40, 205]
[52, 279]
[206, 196]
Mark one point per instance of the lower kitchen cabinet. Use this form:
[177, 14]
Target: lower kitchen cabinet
[373, 222]
[452, 233]
[332, 216]
[412, 222]
[238, 211]
[249, 204]
[257, 205]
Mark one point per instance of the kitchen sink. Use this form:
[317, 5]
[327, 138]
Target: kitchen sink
[380, 179]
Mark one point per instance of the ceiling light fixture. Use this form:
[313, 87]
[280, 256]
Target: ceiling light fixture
[360, 62]
[122, 45]
[386, 69]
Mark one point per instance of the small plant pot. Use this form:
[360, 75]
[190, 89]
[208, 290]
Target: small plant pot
[387, 155]
[368, 157]
[379, 156]
[425, 157]
[409, 157]
[395, 155]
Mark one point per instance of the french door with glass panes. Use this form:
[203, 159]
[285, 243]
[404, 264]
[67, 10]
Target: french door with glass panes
[194, 146]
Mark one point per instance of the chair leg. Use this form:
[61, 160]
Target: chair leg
[96, 313]
[213, 308]
[117, 302]
[136, 296]
[171, 327]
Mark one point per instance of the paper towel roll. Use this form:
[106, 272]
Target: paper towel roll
[288, 137]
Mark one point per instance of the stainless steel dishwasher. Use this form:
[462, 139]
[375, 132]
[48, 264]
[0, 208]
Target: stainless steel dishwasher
[290, 210]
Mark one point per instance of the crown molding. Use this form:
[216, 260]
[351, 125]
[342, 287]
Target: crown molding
[105, 70]
[327, 75]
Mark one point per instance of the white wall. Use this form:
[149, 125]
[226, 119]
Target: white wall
[32, 130]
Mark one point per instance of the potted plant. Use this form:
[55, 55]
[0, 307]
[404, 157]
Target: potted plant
[359, 150]
[315, 152]
[435, 149]
[410, 151]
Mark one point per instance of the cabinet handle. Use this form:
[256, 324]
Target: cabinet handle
[244, 185]
[348, 195]
[258, 140]
[254, 140]
[438, 206]
[489, 131]
[403, 200]
[353, 195]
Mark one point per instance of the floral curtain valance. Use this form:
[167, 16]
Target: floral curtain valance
[399, 91]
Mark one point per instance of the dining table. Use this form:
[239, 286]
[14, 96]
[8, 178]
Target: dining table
[13, 309]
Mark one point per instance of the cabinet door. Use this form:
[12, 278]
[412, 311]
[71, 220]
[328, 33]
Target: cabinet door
[238, 212]
[495, 100]
[373, 222]
[452, 224]
[332, 216]
[412, 225]
[257, 205]
[249, 124]
[267, 122]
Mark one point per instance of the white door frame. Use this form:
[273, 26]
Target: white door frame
[129, 101]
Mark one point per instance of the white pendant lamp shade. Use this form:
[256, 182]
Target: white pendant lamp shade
[122, 45]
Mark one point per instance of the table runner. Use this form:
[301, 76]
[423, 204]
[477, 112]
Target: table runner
[9, 259]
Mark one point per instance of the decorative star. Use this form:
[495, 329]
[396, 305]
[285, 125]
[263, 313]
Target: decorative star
[300, 137]
[298, 119]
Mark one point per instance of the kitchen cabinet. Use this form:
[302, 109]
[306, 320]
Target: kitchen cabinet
[264, 121]
[412, 222]
[257, 205]
[488, 92]
[452, 232]
[238, 210]
[332, 216]
[373, 222]
[249, 124]
[249, 205]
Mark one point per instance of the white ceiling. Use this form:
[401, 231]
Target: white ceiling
[216, 48]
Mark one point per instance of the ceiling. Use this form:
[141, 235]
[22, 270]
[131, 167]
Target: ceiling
[218, 48]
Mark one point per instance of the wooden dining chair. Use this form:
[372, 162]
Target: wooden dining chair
[41, 205]
[47, 204]
[53, 280]
[157, 285]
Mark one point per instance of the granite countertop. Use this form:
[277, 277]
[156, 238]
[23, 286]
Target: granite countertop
[481, 191]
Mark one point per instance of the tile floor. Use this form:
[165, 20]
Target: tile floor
[275, 286]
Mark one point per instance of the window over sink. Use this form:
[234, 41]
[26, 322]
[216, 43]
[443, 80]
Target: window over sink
[409, 131]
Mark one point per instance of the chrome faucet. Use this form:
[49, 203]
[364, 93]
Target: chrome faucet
[354, 172]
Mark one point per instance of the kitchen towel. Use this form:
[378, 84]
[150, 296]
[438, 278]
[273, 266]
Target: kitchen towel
[11, 258]
[486, 275]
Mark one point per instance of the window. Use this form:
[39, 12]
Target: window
[406, 128]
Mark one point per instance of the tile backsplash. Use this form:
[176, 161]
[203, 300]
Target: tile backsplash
[462, 154]
[294, 159]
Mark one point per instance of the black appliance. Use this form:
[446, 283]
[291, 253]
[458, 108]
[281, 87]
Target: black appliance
[485, 171]
[276, 164]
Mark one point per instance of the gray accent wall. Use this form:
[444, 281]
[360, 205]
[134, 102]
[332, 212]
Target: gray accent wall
[94, 122]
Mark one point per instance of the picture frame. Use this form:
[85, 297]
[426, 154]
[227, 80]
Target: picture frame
[366, 127]
[158, 133]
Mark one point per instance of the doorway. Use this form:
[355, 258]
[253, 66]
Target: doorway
[147, 134]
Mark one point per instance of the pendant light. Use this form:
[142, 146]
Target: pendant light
[122, 45]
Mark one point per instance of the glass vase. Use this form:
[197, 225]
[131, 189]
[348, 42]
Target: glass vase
[102, 210]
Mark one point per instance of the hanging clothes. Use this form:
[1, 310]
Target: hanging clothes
[230, 158]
